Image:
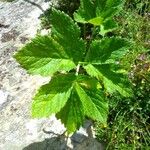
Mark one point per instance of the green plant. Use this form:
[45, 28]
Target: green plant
[84, 68]
[67, 6]
[133, 22]
[128, 121]
[128, 125]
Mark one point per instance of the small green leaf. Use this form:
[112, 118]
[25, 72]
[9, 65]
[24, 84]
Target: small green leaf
[85, 12]
[78, 18]
[108, 26]
[108, 50]
[96, 12]
[96, 21]
[111, 80]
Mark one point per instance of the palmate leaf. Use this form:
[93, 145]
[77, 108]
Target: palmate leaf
[97, 12]
[71, 98]
[62, 50]
[85, 12]
[108, 26]
[112, 81]
[108, 50]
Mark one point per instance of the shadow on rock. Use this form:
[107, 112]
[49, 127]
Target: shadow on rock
[81, 140]
[55, 143]
[76, 142]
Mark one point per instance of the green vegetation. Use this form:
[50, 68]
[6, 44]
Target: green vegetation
[89, 56]
[128, 121]
[134, 24]
[129, 118]
[128, 125]
[82, 60]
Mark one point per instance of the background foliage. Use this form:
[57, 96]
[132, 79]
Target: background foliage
[129, 119]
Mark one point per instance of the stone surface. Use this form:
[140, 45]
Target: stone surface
[19, 21]
[3, 97]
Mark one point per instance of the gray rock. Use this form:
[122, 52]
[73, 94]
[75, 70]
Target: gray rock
[3, 97]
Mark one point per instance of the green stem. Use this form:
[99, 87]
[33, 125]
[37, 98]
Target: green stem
[92, 37]
[93, 32]
[77, 69]
[84, 31]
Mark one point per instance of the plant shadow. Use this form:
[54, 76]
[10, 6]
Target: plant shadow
[54, 143]
[77, 141]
